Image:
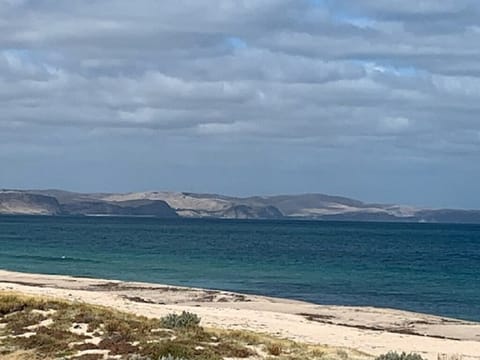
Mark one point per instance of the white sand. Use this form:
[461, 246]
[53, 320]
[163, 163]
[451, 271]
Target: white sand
[372, 330]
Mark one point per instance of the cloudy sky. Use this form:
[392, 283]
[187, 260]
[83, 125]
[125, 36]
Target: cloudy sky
[373, 99]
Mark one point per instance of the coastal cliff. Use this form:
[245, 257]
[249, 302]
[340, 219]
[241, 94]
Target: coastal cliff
[192, 205]
[23, 203]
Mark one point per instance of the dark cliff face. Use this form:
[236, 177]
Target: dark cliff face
[17, 203]
[270, 212]
[26, 203]
[249, 212]
[156, 208]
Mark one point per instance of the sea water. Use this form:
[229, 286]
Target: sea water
[431, 268]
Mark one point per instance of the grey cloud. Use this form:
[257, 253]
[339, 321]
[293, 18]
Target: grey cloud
[195, 77]
[412, 9]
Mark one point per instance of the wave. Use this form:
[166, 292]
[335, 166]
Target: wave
[49, 258]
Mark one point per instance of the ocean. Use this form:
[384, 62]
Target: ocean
[429, 268]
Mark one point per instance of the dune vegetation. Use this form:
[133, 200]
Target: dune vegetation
[42, 328]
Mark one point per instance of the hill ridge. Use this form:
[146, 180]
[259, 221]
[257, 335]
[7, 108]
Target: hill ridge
[168, 204]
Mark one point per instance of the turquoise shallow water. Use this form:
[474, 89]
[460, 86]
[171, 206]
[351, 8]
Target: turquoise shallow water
[432, 268]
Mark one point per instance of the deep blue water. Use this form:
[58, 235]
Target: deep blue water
[432, 268]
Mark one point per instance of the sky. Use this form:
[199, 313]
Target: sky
[373, 99]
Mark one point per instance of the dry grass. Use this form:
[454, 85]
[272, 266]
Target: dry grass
[274, 349]
[124, 335]
[21, 355]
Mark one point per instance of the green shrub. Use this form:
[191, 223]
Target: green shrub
[184, 320]
[397, 356]
[167, 348]
[170, 357]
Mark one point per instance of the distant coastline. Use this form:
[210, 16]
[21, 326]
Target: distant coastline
[192, 205]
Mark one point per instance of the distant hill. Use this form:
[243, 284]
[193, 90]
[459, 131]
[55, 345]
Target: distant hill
[65, 203]
[178, 204]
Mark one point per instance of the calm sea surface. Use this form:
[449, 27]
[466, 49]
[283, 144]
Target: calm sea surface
[420, 267]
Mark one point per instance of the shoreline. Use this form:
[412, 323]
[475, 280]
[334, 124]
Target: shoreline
[282, 219]
[371, 330]
[285, 298]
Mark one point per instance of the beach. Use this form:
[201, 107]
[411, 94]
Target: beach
[370, 330]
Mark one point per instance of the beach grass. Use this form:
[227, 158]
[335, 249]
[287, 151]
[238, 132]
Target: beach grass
[37, 327]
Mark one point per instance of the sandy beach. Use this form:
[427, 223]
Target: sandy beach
[371, 330]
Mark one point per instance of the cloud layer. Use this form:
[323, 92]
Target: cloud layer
[334, 88]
